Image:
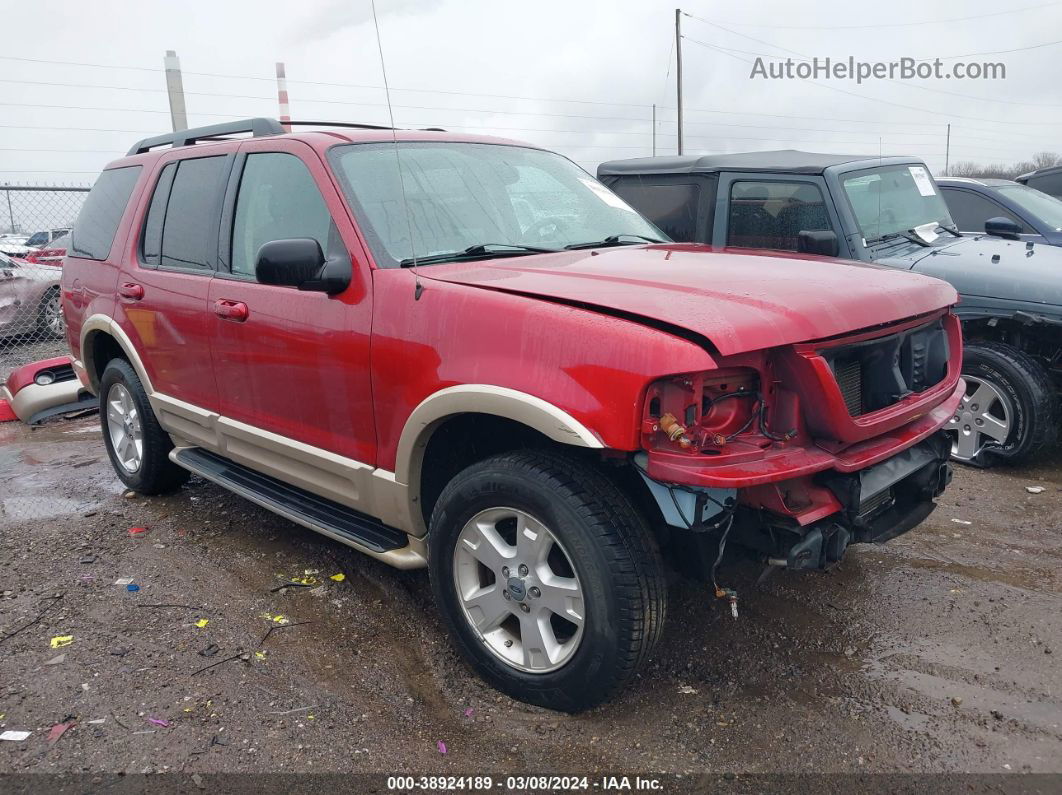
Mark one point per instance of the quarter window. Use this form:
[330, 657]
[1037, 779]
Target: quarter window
[278, 200]
[151, 241]
[98, 220]
[773, 214]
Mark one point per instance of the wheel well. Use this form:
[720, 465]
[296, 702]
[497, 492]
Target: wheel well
[1038, 341]
[103, 347]
[464, 439]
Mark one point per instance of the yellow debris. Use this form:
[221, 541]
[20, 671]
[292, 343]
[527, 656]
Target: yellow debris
[202, 622]
[62, 640]
[338, 577]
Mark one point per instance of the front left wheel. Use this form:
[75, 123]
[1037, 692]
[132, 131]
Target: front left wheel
[547, 577]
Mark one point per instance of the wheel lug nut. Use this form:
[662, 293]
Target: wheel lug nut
[505, 571]
[523, 570]
[973, 407]
[979, 422]
[506, 594]
[535, 593]
[525, 608]
[508, 644]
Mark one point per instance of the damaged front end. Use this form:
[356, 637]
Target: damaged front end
[798, 452]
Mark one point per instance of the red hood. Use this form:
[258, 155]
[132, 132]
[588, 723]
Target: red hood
[741, 301]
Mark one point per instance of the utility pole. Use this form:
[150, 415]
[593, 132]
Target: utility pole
[947, 151]
[282, 97]
[654, 129]
[175, 89]
[678, 72]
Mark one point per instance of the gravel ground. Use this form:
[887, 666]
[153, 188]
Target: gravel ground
[936, 652]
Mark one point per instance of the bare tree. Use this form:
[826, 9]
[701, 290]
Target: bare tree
[968, 168]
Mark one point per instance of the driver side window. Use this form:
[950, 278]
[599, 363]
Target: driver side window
[773, 214]
[277, 200]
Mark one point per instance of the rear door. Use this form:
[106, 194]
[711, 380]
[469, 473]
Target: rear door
[289, 362]
[162, 295]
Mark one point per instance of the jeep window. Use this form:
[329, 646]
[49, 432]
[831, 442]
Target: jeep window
[970, 210]
[1037, 203]
[672, 206]
[278, 199]
[463, 195]
[101, 213]
[773, 214]
[190, 214]
[893, 200]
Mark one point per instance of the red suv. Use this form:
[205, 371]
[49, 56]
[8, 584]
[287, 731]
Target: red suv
[465, 353]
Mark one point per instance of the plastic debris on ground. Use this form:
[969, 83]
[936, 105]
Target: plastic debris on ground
[275, 619]
[469, 712]
[58, 730]
[962, 521]
[62, 640]
[1035, 489]
[137, 532]
[123, 581]
[132, 587]
[686, 690]
[56, 660]
[338, 577]
[14, 736]
[441, 746]
[210, 650]
[87, 559]
[202, 622]
[159, 722]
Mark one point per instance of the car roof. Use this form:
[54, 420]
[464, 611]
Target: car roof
[1040, 172]
[790, 161]
[985, 182]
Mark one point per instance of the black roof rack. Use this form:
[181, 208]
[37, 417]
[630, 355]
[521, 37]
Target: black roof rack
[256, 127]
[351, 124]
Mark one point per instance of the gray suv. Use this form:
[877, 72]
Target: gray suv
[887, 211]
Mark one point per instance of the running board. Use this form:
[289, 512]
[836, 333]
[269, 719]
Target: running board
[317, 513]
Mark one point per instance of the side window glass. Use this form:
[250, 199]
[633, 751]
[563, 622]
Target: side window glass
[277, 200]
[672, 206]
[151, 240]
[100, 215]
[773, 214]
[970, 210]
[191, 214]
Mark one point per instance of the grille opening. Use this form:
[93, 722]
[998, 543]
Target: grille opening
[875, 504]
[850, 379]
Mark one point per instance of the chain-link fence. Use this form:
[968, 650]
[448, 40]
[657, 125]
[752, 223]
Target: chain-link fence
[35, 222]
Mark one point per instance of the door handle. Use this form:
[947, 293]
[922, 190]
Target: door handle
[231, 310]
[131, 290]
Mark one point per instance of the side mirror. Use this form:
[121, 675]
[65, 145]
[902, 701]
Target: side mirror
[299, 262]
[1002, 227]
[824, 243]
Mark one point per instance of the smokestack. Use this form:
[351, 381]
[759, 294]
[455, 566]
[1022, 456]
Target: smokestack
[282, 97]
[175, 90]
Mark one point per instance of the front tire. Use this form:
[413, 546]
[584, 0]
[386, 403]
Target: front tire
[585, 584]
[50, 321]
[136, 444]
[1008, 412]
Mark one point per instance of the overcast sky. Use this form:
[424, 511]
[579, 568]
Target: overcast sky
[578, 77]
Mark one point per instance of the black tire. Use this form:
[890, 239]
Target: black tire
[613, 554]
[1027, 388]
[50, 321]
[156, 474]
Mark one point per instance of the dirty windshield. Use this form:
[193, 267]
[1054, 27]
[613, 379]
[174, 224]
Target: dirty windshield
[461, 196]
[893, 200]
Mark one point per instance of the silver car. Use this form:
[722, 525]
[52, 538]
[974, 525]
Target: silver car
[29, 299]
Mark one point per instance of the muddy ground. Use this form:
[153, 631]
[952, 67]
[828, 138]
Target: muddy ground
[937, 652]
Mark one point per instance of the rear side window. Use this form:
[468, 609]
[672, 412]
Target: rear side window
[671, 206]
[773, 214]
[190, 222]
[98, 220]
[278, 199]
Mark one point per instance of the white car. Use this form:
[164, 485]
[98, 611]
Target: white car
[14, 245]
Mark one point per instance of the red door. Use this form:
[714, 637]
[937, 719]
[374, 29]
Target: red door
[163, 286]
[286, 361]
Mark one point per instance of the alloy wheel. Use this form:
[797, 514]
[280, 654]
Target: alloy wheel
[983, 419]
[124, 428]
[519, 590]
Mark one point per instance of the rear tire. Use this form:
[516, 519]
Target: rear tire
[1009, 411]
[610, 604]
[136, 444]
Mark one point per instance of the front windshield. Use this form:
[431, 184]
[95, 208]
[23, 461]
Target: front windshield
[1037, 203]
[461, 195]
[38, 239]
[894, 199]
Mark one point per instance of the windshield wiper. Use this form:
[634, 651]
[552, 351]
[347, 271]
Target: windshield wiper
[476, 251]
[906, 235]
[615, 240]
[950, 229]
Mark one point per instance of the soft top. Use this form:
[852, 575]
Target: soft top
[790, 161]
